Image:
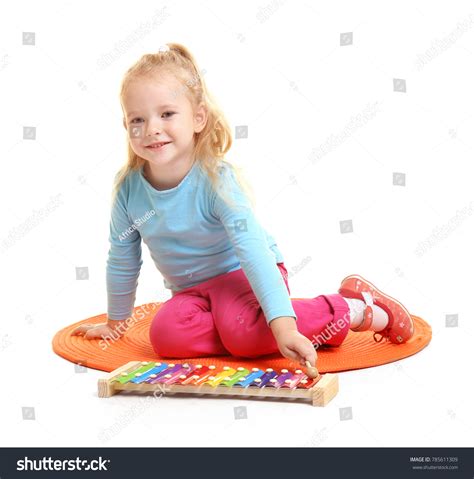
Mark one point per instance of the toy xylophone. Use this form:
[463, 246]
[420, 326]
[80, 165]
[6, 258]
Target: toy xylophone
[201, 379]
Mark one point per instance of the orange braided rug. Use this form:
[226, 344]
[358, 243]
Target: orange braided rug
[359, 350]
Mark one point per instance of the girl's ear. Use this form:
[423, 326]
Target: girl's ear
[200, 118]
[124, 124]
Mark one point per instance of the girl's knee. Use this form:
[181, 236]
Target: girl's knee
[240, 345]
[169, 329]
[162, 331]
[157, 334]
[163, 338]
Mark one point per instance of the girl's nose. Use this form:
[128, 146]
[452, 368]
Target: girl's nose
[153, 128]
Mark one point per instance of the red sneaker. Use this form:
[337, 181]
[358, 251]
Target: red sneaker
[400, 326]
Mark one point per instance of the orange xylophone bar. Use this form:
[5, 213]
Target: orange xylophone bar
[170, 378]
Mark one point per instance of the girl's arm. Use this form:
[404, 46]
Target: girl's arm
[124, 259]
[123, 268]
[258, 263]
[250, 243]
[282, 324]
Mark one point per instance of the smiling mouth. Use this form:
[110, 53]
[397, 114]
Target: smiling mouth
[157, 146]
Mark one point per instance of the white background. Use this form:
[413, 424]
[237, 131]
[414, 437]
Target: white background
[327, 129]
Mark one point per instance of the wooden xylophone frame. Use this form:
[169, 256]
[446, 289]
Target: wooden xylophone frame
[325, 389]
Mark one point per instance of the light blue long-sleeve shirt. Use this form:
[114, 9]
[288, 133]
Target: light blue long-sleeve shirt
[192, 235]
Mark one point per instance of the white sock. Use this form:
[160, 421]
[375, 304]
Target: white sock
[357, 307]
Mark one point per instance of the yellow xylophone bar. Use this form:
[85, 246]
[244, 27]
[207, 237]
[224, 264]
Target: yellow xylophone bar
[320, 394]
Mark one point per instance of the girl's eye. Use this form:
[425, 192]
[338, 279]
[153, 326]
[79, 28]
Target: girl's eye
[165, 113]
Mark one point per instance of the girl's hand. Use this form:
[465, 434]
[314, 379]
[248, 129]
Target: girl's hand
[94, 331]
[293, 345]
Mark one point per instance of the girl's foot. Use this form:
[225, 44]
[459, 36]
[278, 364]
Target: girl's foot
[400, 327]
[361, 321]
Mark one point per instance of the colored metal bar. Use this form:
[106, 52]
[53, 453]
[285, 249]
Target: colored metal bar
[247, 380]
[262, 382]
[293, 381]
[240, 373]
[126, 377]
[200, 375]
[182, 373]
[160, 376]
[279, 380]
[144, 376]
[215, 380]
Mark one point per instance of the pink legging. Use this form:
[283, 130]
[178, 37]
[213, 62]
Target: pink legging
[222, 316]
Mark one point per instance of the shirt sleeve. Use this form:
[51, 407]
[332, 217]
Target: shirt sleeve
[249, 241]
[124, 260]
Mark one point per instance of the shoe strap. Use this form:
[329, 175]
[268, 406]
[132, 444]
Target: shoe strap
[378, 335]
[368, 313]
[369, 300]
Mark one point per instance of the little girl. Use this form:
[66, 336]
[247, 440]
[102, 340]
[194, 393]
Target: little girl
[191, 207]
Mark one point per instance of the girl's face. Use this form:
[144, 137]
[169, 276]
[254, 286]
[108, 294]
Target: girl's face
[160, 121]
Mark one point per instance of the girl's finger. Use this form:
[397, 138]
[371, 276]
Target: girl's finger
[290, 354]
[311, 357]
[80, 329]
[306, 354]
[92, 334]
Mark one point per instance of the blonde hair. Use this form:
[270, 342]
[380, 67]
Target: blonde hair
[212, 143]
